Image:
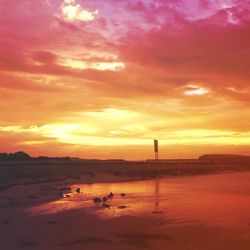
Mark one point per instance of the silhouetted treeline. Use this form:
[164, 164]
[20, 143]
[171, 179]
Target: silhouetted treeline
[225, 158]
[20, 155]
[54, 158]
[208, 158]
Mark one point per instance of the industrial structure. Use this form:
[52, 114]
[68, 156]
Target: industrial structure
[156, 149]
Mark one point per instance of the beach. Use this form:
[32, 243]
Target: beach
[173, 209]
[125, 125]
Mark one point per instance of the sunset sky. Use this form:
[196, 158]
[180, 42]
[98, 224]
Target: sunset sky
[103, 78]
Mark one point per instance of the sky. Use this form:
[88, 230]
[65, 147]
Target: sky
[102, 79]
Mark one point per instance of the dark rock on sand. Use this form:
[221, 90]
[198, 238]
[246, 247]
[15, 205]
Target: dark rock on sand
[122, 207]
[110, 195]
[78, 190]
[106, 205]
[97, 200]
[122, 194]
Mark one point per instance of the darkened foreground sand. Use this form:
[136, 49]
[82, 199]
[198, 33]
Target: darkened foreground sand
[77, 229]
[31, 192]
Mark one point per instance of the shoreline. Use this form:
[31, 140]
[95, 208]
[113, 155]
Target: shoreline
[80, 226]
[35, 171]
[111, 177]
[34, 192]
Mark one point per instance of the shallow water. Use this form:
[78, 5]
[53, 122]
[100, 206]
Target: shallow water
[221, 200]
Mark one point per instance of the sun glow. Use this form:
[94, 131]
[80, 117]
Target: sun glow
[78, 75]
[123, 133]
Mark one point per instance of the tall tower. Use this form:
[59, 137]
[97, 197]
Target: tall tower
[156, 149]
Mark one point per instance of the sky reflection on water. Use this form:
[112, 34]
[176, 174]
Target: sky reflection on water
[221, 200]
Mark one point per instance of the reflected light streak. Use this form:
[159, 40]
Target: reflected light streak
[217, 200]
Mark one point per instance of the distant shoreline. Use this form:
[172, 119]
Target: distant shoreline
[21, 155]
[15, 172]
[51, 176]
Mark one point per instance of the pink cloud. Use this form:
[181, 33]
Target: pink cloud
[44, 57]
[163, 45]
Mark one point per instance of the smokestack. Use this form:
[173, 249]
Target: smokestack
[156, 149]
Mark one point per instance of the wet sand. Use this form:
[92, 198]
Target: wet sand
[77, 229]
[152, 214]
